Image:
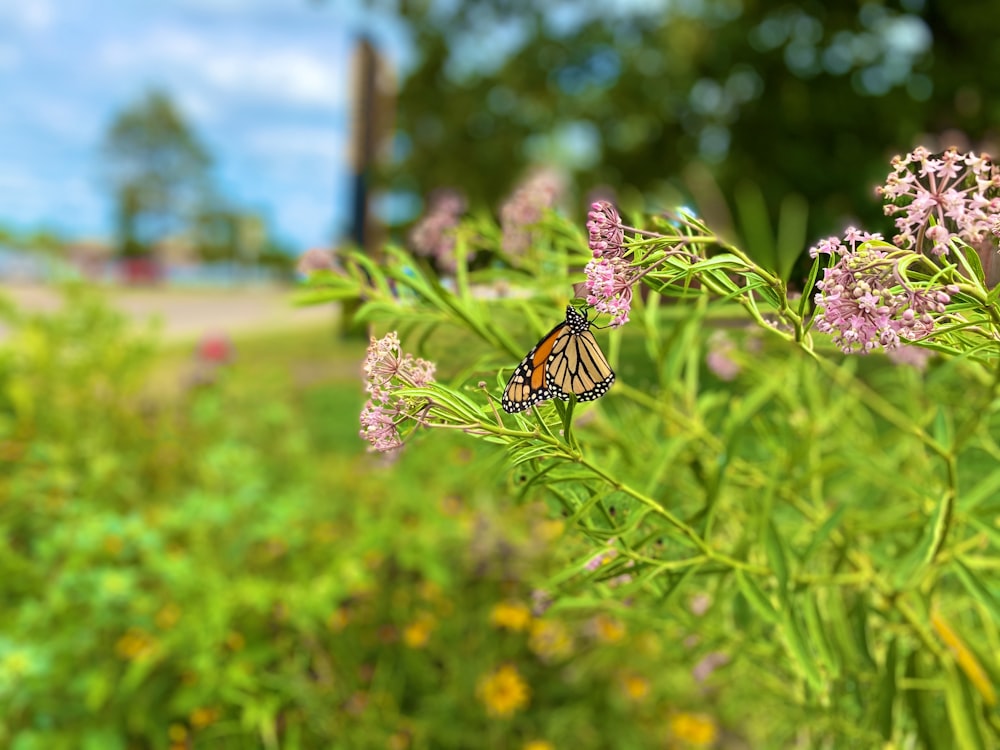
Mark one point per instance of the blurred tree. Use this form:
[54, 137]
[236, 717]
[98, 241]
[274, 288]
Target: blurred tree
[157, 169]
[798, 97]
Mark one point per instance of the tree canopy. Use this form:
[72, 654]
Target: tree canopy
[157, 169]
[807, 98]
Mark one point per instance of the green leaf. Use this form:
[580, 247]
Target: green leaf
[764, 289]
[944, 432]
[818, 634]
[924, 706]
[797, 646]
[985, 489]
[824, 531]
[776, 556]
[841, 629]
[972, 257]
[978, 589]
[755, 224]
[886, 693]
[962, 715]
[791, 240]
[755, 597]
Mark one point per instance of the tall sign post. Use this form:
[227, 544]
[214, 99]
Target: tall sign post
[372, 104]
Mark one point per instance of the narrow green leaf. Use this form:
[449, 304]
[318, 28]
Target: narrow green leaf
[858, 616]
[972, 257]
[886, 693]
[925, 707]
[978, 589]
[962, 715]
[824, 531]
[797, 646]
[985, 489]
[791, 240]
[765, 290]
[818, 635]
[840, 629]
[755, 597]
[776, 556]
[755, 224]
[943, 428]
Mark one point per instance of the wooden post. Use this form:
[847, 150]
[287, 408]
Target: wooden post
[371, 122]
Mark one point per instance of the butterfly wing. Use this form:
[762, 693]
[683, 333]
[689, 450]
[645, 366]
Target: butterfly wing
[528, 385]
[578, 366]
[568, 360]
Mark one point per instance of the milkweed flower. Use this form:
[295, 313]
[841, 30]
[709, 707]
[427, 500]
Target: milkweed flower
[315, 259]
[433, 236]
[708, 664]
[936, 198]
[864, 302]
[387, 370]
[603, 557]
[541, 600]
[606, 234]
[526, 206]
[609, 287]
[719, 358]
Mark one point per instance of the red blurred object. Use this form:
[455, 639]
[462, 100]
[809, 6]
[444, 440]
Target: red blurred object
[216, 348]
[141, 271]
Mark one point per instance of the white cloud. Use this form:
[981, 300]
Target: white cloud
[36, 15]
[269, 73]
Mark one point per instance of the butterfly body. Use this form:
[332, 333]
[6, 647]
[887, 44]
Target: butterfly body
[566, 362]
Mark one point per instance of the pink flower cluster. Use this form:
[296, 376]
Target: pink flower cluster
[865, 304]
[434, 235]
[938, 198]
[606, 234]
[525, 207]
[609, 287]
[387, 370]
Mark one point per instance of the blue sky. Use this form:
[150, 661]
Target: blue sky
[264, 83]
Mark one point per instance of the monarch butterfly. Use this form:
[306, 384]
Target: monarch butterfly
[566, 361]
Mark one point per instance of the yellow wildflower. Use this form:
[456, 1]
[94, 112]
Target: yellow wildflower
[168, 616]
[503, 691]
[538, 745]
[510, 615]
[177, 733]
[550, 640]
[693, 729]
[135, 644]
[636, 686]
[608, 629]
[202, 717]
[418, 632]
[550, 529]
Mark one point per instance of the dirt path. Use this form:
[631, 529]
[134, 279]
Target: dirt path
[190, 313]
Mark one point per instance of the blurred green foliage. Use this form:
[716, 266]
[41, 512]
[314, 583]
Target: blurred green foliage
[801, 98]
[214, 563]
[839, 513]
